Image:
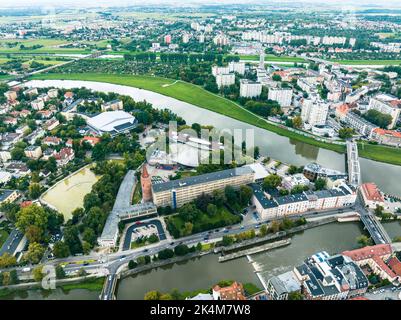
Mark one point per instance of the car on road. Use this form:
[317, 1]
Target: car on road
[145, 250]
[242, 228]
[226, 231]
[171, 243]
[138, 222]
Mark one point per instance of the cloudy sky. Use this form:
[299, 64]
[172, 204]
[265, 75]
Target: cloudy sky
[104, 3]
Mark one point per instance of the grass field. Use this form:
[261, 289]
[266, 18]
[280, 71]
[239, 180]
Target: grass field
[95, 284]
[49, 46]
[199, 97]
[270, 57]
[368, 62]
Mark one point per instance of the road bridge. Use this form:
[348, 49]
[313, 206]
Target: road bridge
[372, 225]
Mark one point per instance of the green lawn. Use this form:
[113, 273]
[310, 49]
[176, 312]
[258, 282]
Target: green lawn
[137, 197]
[270, 57]
[199, 97]
[368, 62]
[94, 284]
[49, 46]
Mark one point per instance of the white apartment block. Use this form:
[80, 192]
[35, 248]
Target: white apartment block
[338, 197]
[238, 67]
[220, 70]
[282, 95]
[314, 111]
[38, 104]
[250, 89]
[387, 104]
[220, 40]
[223, 80]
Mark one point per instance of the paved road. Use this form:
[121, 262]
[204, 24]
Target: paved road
[12, 242]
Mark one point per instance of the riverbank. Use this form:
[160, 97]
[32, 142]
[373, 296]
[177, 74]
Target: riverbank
[89, 283]
[199, 97]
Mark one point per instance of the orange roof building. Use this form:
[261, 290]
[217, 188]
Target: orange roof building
[233, 292]
[372, 197]
[389, 137]
[395, 265]
[375, 257]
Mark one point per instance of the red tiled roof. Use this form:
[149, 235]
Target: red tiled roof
[92, 140]
[368, 252]
[384, 132]
[376, 253]
[344, 108]
[68, 94]
[233, 292]
[395, 265]
[372, 192]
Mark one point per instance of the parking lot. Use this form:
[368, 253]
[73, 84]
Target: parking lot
[143, 231]
[388, 293]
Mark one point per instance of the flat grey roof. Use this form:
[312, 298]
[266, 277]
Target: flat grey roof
[260, 196]
[204, 178]
[5, 193]
[123, 200]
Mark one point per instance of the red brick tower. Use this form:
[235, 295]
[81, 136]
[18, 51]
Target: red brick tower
[146, 185]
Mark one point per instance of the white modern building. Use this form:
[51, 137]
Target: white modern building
[238, 67]
[387, 104]
[223, 80]
[112, 122]
[282, 95]
[250, 89]
[314, 111]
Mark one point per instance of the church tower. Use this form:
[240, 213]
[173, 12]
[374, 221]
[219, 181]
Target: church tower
[146, 185]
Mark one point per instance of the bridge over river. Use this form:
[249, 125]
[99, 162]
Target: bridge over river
[369, 220]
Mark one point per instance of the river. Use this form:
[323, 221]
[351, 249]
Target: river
[204, 272]
[386, 176]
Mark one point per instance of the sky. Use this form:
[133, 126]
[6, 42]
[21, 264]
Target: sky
[105, 3]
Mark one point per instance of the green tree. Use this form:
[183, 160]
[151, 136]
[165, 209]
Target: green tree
[152, 295]
[35, 253]
[297, 122]
[296, 295]
[7, 260]
[227, 240]
[211, 209]
[364, 241]
[346, 133]
[34, 190]
[132, 264]
[181, 250]
[61, 249]
[37, 273]
[188, 227]
[230, 194]
[89, 236]
[32, 215]
[263, 230]
[60, 273]
[14, 279]
[320, 184]
[245, 194]
[271, 182]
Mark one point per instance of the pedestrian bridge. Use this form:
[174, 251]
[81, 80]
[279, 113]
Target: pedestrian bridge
[354, 170]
